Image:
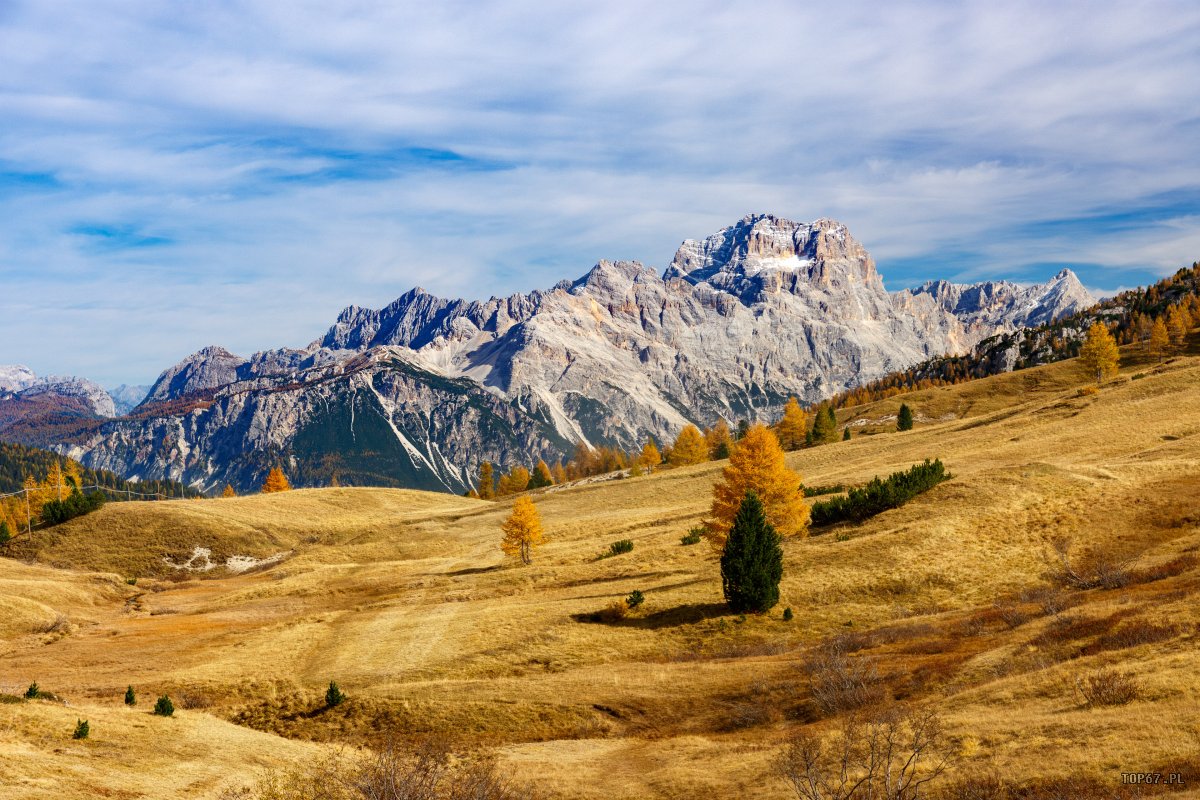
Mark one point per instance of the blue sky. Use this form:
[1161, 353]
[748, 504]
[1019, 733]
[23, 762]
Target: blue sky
[174, 175]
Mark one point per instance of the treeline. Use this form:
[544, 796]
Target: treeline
[1172, 305]
[51, 488]
[691, 446]
[880, 494]
[18, 462]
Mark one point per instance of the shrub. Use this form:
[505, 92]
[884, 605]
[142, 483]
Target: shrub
[1108, 688]
[615, 611]
[1169, 569]
[904, 419]
[5, 533]
[163, 707]
[839, 683]
[33, 692]
[890, 756]
[1099, 569]
[880, 494]
[693, 536]
[81, 729]
[787, 614]
[130, 697]
[55, 512]
[334, 696]
[618, 548]
[817, 491]
[635, 599]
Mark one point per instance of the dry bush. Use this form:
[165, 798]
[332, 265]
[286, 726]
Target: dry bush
[1108, 688]
[1168, 569]
[1066, 629]
[979, 786]
[1012, 615]
[1050, 599]
[60, 624]
[1132, 634]
[1096, 569]
[191, 697]
[425, 771]
[890, 756]
[838, 682]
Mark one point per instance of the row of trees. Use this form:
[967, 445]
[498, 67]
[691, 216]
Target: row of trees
[691, 446]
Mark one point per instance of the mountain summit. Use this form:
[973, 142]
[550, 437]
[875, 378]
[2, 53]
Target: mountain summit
[420, 392]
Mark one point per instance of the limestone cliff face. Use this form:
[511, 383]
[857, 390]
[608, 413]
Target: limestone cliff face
[420, 392]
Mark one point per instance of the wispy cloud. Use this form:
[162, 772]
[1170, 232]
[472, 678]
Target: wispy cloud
[173, 175]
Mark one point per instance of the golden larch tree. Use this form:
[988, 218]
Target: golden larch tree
[276, 481]
[229, 491]
[793, 426]
[56, 482]
[1179, 321]
[1099, 355]
[558, 472]
[73, 476]
[689, 447]
[487, 481]
[1159, 341]
[649, 459]
[757, 464]
[522, 530]
[516, 481]
[719, 440]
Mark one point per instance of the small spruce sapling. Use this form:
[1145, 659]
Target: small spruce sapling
[334, 696]
[904, 420]
[845, 434]
[130, 697]
[33, 691]
[164, 707]
[787, 614]
[81, 729]
[635, 599]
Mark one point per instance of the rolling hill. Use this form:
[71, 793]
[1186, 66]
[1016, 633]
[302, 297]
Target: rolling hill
[404, 598]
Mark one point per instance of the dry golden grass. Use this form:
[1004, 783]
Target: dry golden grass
[405, 599]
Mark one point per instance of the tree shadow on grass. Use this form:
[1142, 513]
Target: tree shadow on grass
[688, 614]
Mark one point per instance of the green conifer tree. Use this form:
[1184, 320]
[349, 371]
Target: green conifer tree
[163, 707]
[904, 420]
[846, 434]
[130, 697]
[334, 696]
[752, 562]
[81, 729]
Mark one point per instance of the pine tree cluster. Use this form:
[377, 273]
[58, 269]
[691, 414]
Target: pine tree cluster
[880, 495]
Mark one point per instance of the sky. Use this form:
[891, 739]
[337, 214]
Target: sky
[175, 175]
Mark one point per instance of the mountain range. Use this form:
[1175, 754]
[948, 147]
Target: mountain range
[420, 392]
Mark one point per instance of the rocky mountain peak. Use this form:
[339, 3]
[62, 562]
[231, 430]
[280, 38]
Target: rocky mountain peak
[208, 368]
[15, 377]
[763, 253]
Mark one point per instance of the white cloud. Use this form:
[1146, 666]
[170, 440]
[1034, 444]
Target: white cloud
[611, 130]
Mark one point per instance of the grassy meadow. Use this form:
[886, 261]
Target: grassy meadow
[404, 598]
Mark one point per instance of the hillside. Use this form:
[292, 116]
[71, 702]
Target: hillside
[405, 600]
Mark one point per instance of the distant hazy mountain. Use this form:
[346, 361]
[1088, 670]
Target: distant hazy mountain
[126, 398]
[420, 392]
